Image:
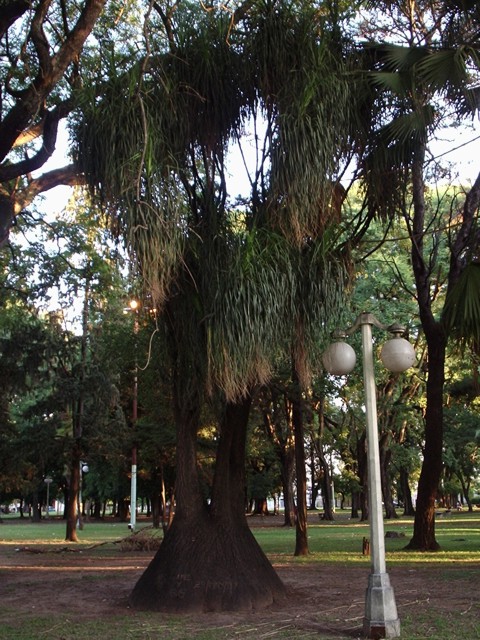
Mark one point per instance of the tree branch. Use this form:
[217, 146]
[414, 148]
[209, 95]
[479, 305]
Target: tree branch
[66, 176]
[50, 130]
[10, 13]
[33, 98]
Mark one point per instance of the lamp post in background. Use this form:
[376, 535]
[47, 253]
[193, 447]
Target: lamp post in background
[83, 469]
[134, 305]
[48, 481]
[381, 618]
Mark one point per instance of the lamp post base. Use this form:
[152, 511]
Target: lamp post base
[381, 618]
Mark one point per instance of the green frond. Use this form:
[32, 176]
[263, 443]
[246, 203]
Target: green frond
[444, 67]
[461, 313]
[398, 58]
[410, 126]
[263, 291]
[392, 81]
[302, 82]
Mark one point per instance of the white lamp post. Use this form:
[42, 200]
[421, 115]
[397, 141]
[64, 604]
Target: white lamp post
[381, 618]
[83, 466]
[48, 481]
[134, 305]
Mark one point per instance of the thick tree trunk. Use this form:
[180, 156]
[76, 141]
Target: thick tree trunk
[209, 559]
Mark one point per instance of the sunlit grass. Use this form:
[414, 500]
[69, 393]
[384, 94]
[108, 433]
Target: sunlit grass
[341, 541]
[52, 532]
[338, 541]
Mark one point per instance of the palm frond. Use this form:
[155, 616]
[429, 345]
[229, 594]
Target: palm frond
[461, 313]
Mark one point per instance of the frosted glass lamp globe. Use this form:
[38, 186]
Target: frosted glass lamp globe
[397, 355]
[339, 359]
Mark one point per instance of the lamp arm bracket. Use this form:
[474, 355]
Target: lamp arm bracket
[368, 318]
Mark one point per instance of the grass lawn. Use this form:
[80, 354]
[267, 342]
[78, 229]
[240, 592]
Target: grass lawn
[437, 594]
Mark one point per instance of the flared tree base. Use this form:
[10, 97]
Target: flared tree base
[204, 565]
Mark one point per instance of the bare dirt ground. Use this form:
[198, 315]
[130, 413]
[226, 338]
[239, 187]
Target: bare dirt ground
[323, 600]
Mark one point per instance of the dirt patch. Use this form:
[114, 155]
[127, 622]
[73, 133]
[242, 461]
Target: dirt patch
[323, 600]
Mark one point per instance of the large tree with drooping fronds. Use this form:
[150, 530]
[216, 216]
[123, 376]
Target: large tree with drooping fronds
[241, 283]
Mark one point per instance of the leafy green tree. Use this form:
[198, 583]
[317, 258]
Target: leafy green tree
[462, 447]
[438, 62]
[272, 402]
[27, 346]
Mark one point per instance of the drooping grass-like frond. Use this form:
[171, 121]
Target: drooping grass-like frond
[137, 142]
[302, 82]
[251, 304]
[266, 291]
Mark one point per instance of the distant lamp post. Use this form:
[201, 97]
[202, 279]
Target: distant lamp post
[83, 469]
[48, 481]
[381, 618]
[134, 306]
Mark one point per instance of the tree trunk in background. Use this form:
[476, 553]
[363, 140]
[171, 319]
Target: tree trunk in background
[408, 508]
[424, 525]
[301, 534]
[287, 473]
[328, 507]
[36, 513]
[385, 458]
[209, 559]
[326, 477]
[284, 443]
[363, 476]
[355, 505]
[72, 507]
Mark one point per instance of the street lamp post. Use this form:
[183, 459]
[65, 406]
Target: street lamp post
[381, 618]
[133, 304]
[48, 481]
[83, 468]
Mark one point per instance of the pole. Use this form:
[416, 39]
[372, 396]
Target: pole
[133, 479]
[381, 618]
[47, 482]
[79, 499]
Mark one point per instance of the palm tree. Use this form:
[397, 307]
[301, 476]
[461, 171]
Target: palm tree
[410, 80]
[227, 278]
